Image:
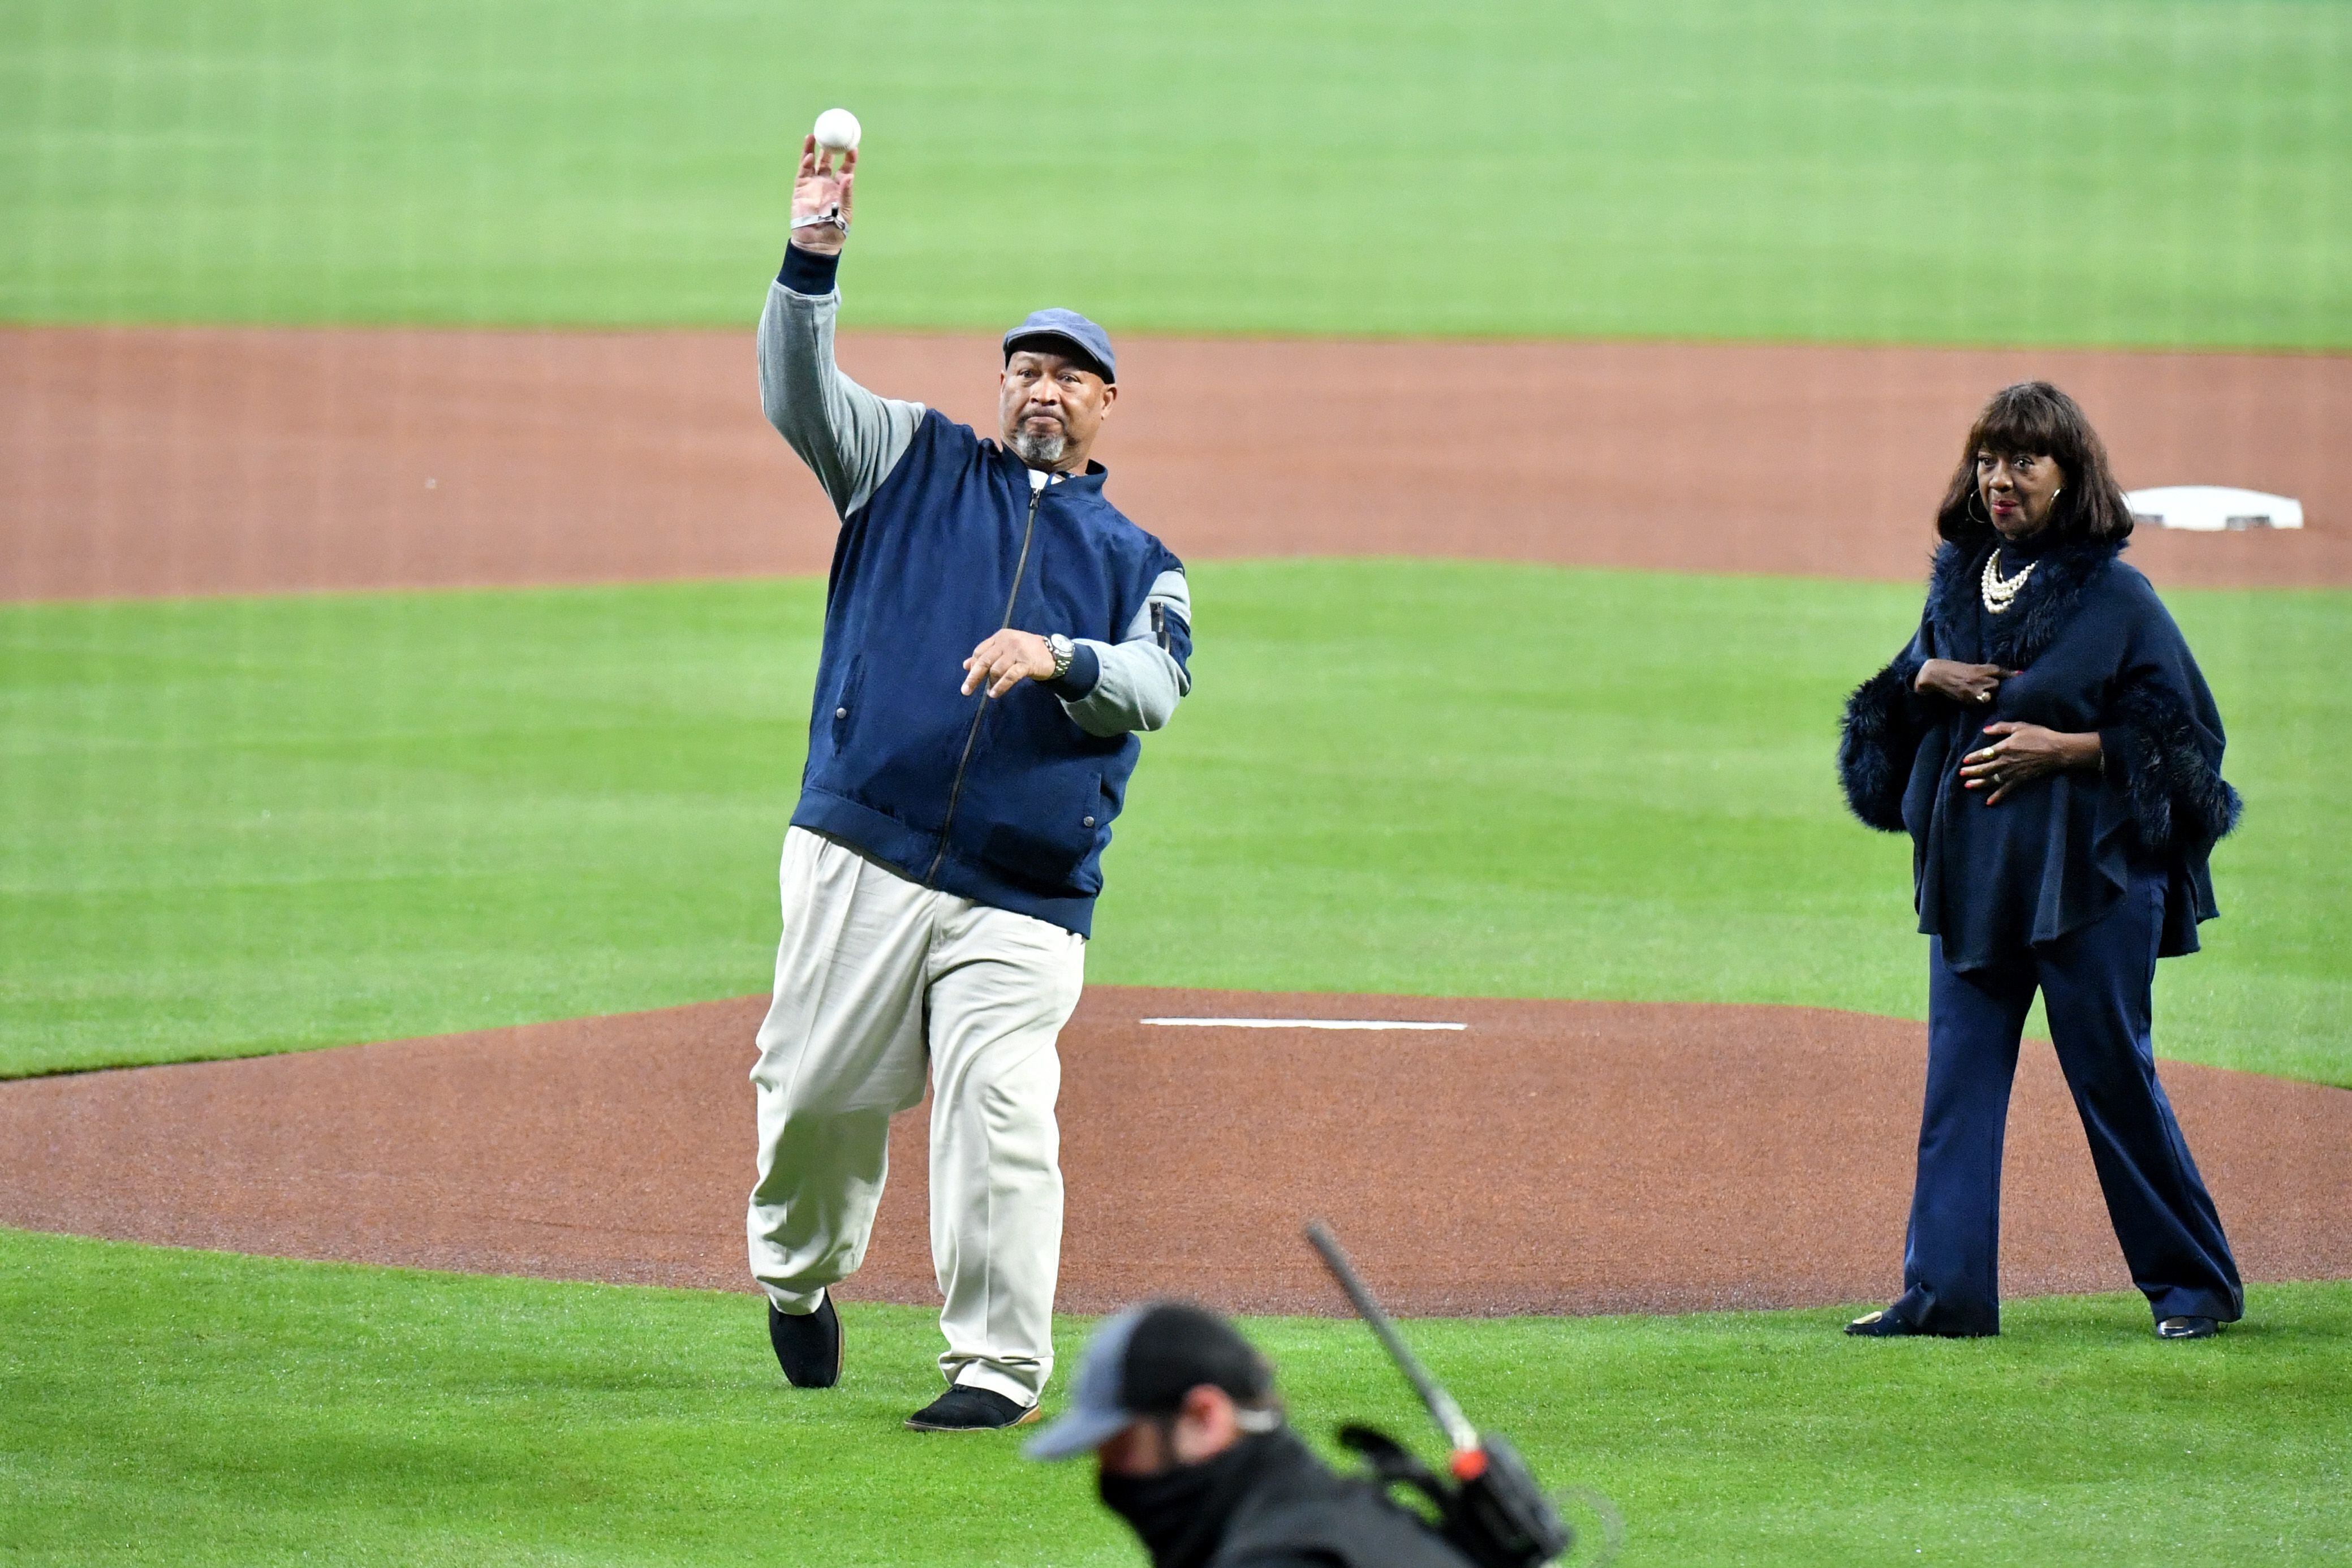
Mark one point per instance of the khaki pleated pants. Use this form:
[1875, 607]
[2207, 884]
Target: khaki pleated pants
[878, 979]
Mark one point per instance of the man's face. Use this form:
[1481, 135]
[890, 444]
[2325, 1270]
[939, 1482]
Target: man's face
[1140, 1451]
[1206, 1425]
[1050, 408]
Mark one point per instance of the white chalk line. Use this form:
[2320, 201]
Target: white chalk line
[1299, 1023]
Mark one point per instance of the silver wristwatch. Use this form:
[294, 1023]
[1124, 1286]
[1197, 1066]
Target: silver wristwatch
[1064, 650]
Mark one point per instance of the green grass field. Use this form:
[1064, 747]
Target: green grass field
[160, 1405]
[1981, 171]
[253, 825]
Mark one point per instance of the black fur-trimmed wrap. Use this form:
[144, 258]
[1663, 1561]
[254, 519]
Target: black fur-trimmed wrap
[2103, 654]
[2179, 802]
[1881, 733]
[2059, 581]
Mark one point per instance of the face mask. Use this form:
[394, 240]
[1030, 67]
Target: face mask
[1181, 1514]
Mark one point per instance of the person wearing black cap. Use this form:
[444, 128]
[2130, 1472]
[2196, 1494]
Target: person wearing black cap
[996, 633]
[1193, 1451]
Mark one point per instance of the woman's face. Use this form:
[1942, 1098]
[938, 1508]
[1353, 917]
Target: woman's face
[2018, 488]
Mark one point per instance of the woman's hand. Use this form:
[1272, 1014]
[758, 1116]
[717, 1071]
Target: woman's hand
[2024, 753]
[1971, 685]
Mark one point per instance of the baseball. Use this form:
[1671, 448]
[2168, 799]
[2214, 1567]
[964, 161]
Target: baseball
[837, 130]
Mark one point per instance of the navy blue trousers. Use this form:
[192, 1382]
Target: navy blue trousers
[2095, 987]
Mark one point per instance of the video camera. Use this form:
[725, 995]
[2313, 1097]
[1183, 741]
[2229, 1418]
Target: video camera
[1492, 1510]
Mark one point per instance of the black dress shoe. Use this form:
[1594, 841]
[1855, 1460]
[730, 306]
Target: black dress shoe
[1886, 1324]
[963, 1409]
[808, 1347]
[2187, 1327]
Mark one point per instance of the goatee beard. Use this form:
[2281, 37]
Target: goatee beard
[1039, 451]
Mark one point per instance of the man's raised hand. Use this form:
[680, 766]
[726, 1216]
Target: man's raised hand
[821, 190]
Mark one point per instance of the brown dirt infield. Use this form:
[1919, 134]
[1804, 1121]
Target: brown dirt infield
[1554, 1157]
[199, 461]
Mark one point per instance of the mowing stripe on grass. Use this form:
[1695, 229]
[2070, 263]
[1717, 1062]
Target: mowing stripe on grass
[1980, 171]
[201, 1408]
[257, 824]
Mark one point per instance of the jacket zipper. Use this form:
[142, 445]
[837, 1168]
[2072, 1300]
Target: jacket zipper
[955, 791]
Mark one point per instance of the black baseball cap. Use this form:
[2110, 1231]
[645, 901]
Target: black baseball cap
[1066, 332]
[1141, 1363]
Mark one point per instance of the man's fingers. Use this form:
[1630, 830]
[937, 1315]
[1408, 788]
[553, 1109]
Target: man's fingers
[1000, 663]
[988, 666]
[1004, 671]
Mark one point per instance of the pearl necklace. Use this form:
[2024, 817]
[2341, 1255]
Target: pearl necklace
[2000, 591]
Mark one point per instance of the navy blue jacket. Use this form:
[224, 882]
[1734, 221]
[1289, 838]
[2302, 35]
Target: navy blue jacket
[2098, 651]
[1009, 801]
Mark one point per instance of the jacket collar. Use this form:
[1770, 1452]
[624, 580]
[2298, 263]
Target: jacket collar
[1089, 483]
[2048, 601]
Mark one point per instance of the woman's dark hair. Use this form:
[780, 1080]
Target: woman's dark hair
[2034, 419]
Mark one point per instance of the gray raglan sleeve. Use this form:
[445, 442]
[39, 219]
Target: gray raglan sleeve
[850, 439]
[1139, 679]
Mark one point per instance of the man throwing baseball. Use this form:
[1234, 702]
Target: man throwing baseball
[995, 634]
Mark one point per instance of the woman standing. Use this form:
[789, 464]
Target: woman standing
[2051, 747]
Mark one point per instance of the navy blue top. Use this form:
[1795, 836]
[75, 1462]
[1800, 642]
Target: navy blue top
[2096, 651]
[1005, 801]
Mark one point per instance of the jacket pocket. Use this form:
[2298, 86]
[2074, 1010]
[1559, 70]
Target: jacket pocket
[845, 702]
[1045, 845]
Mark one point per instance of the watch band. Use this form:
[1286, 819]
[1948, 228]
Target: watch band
[1064, 650]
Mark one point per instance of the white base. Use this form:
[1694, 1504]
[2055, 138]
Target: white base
[2212, 508]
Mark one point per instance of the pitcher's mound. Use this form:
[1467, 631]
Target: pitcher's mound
[1547, 1157]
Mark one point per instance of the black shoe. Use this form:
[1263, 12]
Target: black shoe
[964, 1409]
[1886, 1324]
[2189, 1328]
[807, 1347]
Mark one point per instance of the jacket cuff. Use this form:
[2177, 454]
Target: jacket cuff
[806, 272]
[1917, 706]
[1084, 675]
